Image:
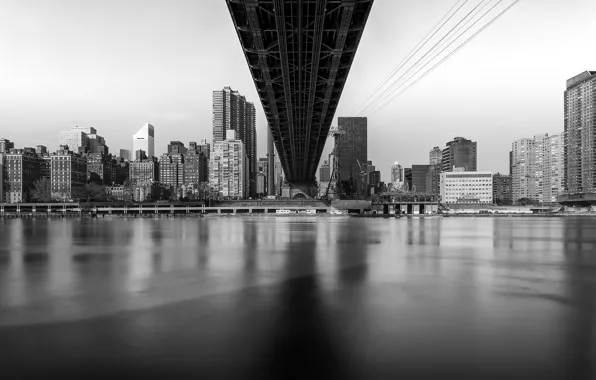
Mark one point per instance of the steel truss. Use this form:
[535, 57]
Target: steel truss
[299, 53]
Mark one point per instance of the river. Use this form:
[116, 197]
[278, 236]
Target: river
[299, 297]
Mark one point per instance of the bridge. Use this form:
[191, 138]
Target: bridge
[299, 53]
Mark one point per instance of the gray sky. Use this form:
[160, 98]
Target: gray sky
[115, 65]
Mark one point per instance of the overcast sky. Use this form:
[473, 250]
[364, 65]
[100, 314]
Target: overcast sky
[115, 65]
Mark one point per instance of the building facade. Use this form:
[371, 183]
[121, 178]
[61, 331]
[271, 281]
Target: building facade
[353, 150]
[580, 134]
[126, 154]
[171, 170]
[467, 187]
[75, 139]
[144, 170]
[261, 184]
[195, 164]
[231, 111]
[176, 147]
[435, 156]
[100, 168]
[537, 166]
[21, 168]
[397, 175]
[1, 177]
[502, 189]
[5, 145]
[228, 168]
[144, 140]
[68, 171]
[459, 153]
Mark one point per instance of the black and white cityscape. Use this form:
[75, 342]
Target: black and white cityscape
[350, 189]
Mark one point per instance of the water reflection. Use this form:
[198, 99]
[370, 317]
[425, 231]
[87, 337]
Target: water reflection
[580, 259]
[302, 325]
[461, 297]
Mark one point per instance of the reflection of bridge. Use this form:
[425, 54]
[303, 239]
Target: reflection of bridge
[299, 53]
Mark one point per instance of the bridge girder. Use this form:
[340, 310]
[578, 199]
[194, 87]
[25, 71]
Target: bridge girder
[299, 53]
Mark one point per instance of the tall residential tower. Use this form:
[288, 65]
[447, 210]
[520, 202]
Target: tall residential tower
[459, 153]
[231, 111]
[580, 134]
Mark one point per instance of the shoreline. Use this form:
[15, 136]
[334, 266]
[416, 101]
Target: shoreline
[319, 215]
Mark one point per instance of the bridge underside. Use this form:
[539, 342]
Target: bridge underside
[299, 53]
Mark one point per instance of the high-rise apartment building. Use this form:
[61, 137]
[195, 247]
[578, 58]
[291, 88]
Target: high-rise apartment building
[228, 168]
[21, 169]
[435, 156]
[502, 189]
[40, 150]
[537, 168]
[171, 170]
[75, 139]
[5, 145]
[353, 151]
[579, 174]
[231, 111]
[144, 170]
[144, 140]
[45, 166]
[68, 171]
[97, 144]
[522, 182]
[1, 177]
[195, 167]
[100, 168]
[459, 153]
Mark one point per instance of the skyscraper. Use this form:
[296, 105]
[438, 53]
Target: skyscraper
[353, 150]
[435, 156]
[231, 111]
[397, 175]
[144, 140]
[459, 153]
[580, 134]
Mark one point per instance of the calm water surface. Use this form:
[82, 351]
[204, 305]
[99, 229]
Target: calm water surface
[299, 297]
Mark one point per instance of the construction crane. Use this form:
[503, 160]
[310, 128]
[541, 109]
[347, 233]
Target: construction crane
[336, 132]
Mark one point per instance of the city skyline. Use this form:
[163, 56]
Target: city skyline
[521, 97]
